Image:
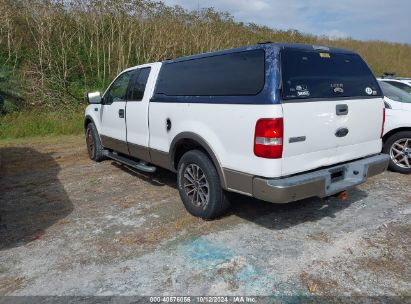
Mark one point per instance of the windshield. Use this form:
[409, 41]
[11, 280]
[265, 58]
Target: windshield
[394, 93]
[400, 85]
[320, 74]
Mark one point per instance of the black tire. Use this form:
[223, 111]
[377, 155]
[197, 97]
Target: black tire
[94, 148]
[388, 149]
[216, 200]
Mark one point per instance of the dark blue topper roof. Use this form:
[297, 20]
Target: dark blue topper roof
[266, 45]
[270, 94]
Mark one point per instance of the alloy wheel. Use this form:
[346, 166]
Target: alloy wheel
[196, 186]
[400, 153]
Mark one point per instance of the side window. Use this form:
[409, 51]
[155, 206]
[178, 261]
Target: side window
[138, 85]
[233, 74]
[118, 89]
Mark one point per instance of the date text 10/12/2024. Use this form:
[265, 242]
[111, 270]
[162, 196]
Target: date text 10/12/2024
[187, 299]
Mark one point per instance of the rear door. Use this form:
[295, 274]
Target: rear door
[332, 106]
[140, 92]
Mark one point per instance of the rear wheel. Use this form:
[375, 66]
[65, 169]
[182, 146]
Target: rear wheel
[398, 147]
[94, 147]
[199, 186]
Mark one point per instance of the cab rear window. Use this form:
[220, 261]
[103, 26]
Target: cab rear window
[321, 74]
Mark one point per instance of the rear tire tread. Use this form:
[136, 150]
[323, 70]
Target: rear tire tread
[98, 147]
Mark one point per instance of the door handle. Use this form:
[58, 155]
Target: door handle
[121, 113]
[341, 109]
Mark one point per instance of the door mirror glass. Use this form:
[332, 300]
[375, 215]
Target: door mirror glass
[94, 98]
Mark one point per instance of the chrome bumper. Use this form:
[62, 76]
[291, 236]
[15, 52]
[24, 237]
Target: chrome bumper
[321, 183]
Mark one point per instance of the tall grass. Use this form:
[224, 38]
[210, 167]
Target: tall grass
[59, 49]
[62, 48]
[40, 123]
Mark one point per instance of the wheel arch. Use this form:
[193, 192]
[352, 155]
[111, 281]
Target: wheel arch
[187, 141]
[393, 131]
[88, 119]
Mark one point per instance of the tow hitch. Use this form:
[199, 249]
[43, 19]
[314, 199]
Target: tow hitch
[343, 195]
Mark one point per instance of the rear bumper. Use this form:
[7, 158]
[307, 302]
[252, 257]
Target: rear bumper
[321, 183]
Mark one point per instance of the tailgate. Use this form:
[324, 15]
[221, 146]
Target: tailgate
[315, 136]
[332, 107]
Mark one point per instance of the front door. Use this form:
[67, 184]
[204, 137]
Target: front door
[113, 114]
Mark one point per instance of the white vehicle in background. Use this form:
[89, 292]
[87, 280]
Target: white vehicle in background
[398, 82]
[397, 129]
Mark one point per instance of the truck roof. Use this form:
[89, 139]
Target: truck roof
[265, 45]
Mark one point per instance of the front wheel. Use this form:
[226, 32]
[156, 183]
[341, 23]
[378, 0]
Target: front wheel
[199, 186]
[398, 147]
[94, 147]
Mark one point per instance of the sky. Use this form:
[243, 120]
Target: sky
[388, 20]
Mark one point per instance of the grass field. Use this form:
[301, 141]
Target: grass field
[51, 54]
[40, 123]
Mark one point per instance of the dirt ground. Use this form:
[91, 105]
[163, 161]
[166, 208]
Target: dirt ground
[70, 226]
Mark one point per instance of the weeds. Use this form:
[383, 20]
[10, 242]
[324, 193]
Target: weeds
[40, 123]
[53, 51]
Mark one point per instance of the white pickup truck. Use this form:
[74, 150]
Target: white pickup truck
[279, 122]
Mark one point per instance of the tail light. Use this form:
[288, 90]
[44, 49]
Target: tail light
[383, 122]
[268, 138]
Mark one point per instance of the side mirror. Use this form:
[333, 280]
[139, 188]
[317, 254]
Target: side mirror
[94, 98]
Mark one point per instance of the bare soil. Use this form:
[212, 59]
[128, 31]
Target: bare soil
[70, 226]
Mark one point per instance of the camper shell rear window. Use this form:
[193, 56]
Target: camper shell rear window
[321, 74]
